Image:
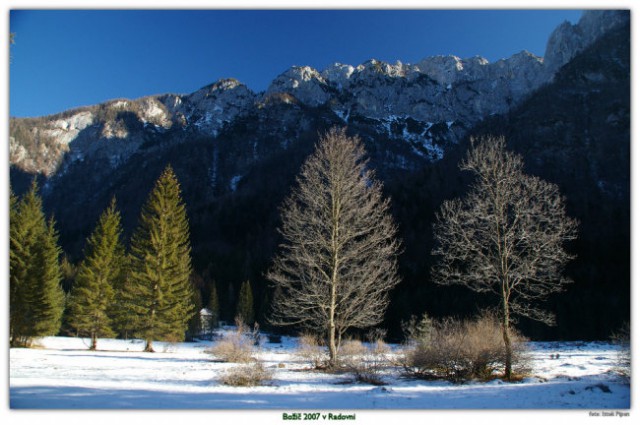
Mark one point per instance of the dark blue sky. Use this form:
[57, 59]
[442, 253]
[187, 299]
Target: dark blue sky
[64, 59]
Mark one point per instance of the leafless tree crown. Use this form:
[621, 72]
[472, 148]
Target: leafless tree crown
[338, 260]
[507, 235]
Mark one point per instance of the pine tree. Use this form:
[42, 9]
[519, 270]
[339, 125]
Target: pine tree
[159, 290]
[93, 293]
[36, 298]
[214, 306]
[194, 326]
[123, 320]
[244, 308]
[47, 297]
[69, 272]
[17, 271]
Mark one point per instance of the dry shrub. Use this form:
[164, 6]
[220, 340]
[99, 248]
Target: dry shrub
[351, 348]
[622, 338]
[463, 350]
[249, 375]
[237, 347]
[366, 362]
[311, 349]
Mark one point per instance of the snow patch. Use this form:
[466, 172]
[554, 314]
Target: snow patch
[421, 143]
[233, 183]
[343, 115]
[121, 104]
[66, 130]
[65, 374]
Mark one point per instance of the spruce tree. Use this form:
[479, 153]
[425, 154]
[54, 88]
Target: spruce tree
[244, 308]
[159, 290]
[93, 293]
[123, 320]
[194, 326]
[17, 271]
[214, 307]
[46, 296]
[36, 298]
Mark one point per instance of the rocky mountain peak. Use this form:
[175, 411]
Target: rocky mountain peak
[567, 40]
[405, 101]
[374, 67]
[209, 108]
[304, 82]
[338, 73]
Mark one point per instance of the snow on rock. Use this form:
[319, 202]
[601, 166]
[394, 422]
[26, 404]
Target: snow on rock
[338, 74]
[437, 89]
[567, 40]
[64, 374]
[114, 130]
[233, 183]
[343, 115]
[64, 131]
[217, 104]
[154, 112]
[303, 82]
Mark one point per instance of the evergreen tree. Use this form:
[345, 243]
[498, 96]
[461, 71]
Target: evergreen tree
[69, 272]
[123, 321]
[93, 293]
[47, 297]
[36, 298]
[214, 307]
[159, 291]
[194, 327]
[244, 308]
[17, 270]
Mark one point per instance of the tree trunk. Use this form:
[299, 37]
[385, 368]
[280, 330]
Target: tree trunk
[508, 353]
[333, 351]
[94, 341]
[149, 347]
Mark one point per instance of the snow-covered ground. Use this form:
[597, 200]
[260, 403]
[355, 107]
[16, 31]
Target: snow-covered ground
[63, 374]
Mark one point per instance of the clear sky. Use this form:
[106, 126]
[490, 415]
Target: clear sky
[64, 58]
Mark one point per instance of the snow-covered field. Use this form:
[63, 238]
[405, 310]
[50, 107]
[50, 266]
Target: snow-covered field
[63, 374]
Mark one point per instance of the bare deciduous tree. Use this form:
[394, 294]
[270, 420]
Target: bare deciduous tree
[338, 260]
[506, 236]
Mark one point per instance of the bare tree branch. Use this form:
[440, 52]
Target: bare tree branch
[506, 236]
[338, 260]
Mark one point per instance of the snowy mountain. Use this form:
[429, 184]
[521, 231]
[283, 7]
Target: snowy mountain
[236, 154]
[406, 100]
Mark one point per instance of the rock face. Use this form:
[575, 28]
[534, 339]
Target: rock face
[567, 40]
[444, 92]
[576, 133]
[236, 154]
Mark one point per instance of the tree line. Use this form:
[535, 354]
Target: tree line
[146, 292]
[333, 271]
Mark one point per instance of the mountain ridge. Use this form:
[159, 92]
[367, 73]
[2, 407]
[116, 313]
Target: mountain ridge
[438, 89]
[237, 164]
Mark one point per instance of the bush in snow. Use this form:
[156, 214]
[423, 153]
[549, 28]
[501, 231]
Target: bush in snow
[238, 346]
[351, 348]
[366, 362]
[623, 360]
[460, 350]
[249, 375]
[311, 349]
